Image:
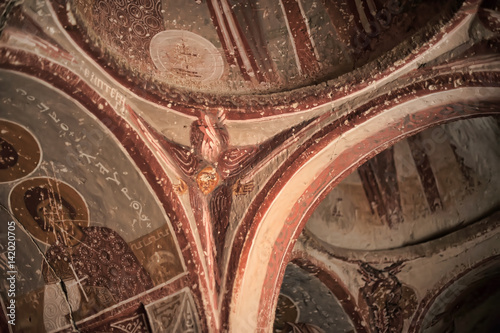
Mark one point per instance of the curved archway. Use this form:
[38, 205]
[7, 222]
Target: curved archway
[438, 309]
[303, 185]
[335, 285]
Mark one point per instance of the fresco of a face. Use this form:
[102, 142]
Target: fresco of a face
[55, 216]
[207, 180]
[50, 210]
[19, 151]
[8, 155]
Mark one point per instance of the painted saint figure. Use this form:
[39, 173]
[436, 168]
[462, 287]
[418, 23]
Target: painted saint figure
[8, 155]
[388, 301]
[19, 151]
[96, 266]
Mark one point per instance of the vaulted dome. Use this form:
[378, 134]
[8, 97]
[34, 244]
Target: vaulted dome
[245, 47]
[250, 166]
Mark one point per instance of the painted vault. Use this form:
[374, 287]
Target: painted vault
[249, 166]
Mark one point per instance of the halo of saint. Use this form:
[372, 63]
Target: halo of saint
[50, 210]
[20, 152]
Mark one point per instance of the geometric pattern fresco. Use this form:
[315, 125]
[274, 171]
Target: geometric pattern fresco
[175, 313]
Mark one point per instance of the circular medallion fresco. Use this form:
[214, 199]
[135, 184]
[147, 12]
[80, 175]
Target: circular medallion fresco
[20, 153]
[47, 207]
[186, 55]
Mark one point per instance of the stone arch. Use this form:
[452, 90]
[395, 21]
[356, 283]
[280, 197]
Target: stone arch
[438, 301]
[299, 189]
[335, 285]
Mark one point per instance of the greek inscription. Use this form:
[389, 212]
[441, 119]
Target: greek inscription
[88, 140]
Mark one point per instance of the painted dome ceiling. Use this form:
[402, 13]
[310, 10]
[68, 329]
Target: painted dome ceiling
[245, 47]
[241, 166]
[423, 187]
